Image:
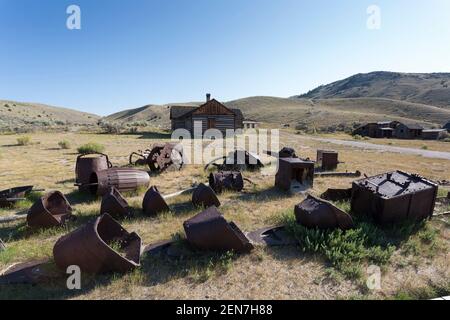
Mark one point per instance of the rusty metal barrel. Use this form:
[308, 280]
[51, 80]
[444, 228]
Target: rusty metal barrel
[99, 246]
[204, 196]
[154, 203]
[226, 180]
[51, 210]
[87, 164]
[122, 179]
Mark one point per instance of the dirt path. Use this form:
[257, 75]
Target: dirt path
[381, 147]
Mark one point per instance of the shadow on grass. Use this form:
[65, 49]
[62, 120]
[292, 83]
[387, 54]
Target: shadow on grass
[271, 193]
[76, 197]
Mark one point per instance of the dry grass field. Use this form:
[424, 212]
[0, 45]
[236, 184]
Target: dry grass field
[413, 259]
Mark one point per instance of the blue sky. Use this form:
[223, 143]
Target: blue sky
[131, 53]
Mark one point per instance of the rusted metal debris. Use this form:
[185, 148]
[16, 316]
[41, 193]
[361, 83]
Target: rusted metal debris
[226, 180]
[318, 213]
[238, 160]
[337, 174]
[87, 164]
[168, 156]
[51, 210]
[209, 230]
[394, 197]
[294, 174]
[141, 158]
[100, 246]
[327, 160]
[443, 183]
[33, 272]
[115, 205]
[154, 203]
[10, 196]
[286, 152]
[204, 196]
[123, 179]
[333, 194]
[273, 236]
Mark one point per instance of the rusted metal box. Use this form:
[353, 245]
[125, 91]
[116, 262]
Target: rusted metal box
[327, 160]
[394, 197]
[294, 173]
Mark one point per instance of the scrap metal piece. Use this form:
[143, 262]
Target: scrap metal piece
[318, 213]
[160, 247]
[100, 246]
[204, 196]
[10, 196]
[33, 272]
[333, 194]
[286, 152]
[226, 180]
[209, 230]
[123, 179]
[294, 174]
[168, 156]
[115, 204]
[141, 158]
[327, 160]
[87, 164]
[51, 210]
[394, 197]
[154, 203]
[273, 236]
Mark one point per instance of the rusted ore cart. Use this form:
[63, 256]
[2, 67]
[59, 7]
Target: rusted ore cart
[394, 197]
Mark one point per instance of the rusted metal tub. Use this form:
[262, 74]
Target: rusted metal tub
[52, 210]
[122, 179]
[154, 203]
[394, 197]
[115, 205]
[10, 196]
[209, 230]
[318, 213]
[100, 246]
[226, 180]
[87, 164]
[204, 196]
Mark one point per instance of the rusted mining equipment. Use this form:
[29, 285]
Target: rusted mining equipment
[226, 180]
[100, 246]
[87, 164]
[318, 213]
[115, 205]
[294, 174]
[327, 160]
[394, 197]
[204, 196]
[10, 196]
[168, 156]
[286, 152]
[139, 158]
[334, 194]
[123, 179]
[154, 203]
[210, 231]
[238, 160]
[51, 210]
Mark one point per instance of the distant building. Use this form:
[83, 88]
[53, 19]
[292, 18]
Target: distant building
[408, 131]
[433, 134]
[250, 124]
[210, 115]
[384, 129]
[447, 126]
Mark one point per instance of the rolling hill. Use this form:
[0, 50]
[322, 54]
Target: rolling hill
[425, 88]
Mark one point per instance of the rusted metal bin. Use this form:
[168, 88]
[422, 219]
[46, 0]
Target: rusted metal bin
[294, 173]
[100, 246]
[10, 196]
[87, 164]
[154, 203]
[122, 179]
[115, 205]
[318, 213]
[209, 230]
[394, 197]
[52, 210]
[204, 196]
[226, 180]
[327, 160]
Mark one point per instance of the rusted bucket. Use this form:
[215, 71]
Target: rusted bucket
[52, 210]
[317, 213]
[210, 231]
[154, 203]
[115, 205]
[226, 180]
[122, 179]
[204, 196]
[10, 196]
[87, 164]
[100, 246]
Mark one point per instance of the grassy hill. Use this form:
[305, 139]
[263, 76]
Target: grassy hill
[20, 114]
[426, 88]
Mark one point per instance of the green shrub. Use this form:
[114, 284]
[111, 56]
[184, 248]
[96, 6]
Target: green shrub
[64, 144]
[24, 141]
[91, 147]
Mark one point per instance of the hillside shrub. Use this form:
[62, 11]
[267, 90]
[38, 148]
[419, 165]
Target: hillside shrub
[24, 141]
[91, 147]
[64, 144]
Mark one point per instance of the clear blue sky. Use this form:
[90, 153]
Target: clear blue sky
[132, 53]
